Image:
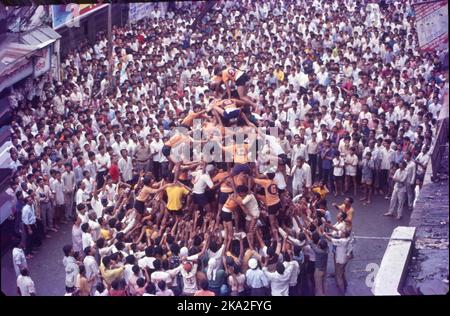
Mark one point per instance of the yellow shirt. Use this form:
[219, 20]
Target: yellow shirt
[323, 192]
[109, 275]
[280, 75]
[349, 213]
[105, 234]
[174, 195]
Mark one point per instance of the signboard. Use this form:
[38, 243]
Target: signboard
[139, 11]
[42, 62]
[70, 14]
[432, 24]
[21, 71]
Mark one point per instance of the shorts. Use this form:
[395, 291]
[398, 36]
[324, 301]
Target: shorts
[223, 197]
[281, 191]
[210, 195]
[139, 206]
[242, 80]
[176, 212]
[238, 168]
[200, 199]
[226, 216]
[254, 214]
[350, 172]
[366, 180]
[166, 150]
[337, 178]
[273, 209]
[231, 113]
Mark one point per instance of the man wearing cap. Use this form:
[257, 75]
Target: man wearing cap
[256, 279]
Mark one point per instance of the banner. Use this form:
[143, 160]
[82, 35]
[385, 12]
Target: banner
[70, 14]
[139, 11]
[43, 62]
[432, 24]
[21, 71]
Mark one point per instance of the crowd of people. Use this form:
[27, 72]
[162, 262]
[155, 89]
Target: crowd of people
[323, 97]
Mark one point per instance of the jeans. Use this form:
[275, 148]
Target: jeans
[326, 176]
[157, 170]
[47, 215]
[68, 203]
[319, 282]
[410, 195]
[30, 238]
[312, 160]
[340, 277]
[398, 199]
[164, 169]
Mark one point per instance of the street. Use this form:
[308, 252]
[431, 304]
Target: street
[47, 270]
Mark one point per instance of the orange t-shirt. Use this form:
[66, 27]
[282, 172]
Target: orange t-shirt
[230, 74]
[271, 191]
[216, 79]
[231, 204]
[225, 186]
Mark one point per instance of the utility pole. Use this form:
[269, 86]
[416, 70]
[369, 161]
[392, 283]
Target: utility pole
[110, 47]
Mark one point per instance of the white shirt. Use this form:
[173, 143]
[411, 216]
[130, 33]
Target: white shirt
[338, 164]
[280, 181]
[251, 204]
[341, 249]
[100, 161]
[156, 148]
[294, 273]
[386, 156]
[146, 262]
[87, 240]
[26, 285]
[92, 269]
[411, 172]
[19, 260]
[126, 168]
[302, 176]
[200, 181]
[299, 150]
[81, 196]
[279, 283]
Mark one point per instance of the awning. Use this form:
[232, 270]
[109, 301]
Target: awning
[40, 35]
[16, 52]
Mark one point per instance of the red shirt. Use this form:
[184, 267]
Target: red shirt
[113, 292]
[204, 293]
[114, 172]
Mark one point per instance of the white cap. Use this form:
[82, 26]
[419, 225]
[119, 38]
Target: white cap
[184, 252]
[252, 263]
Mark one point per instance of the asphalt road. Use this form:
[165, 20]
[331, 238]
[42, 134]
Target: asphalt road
[48, 273]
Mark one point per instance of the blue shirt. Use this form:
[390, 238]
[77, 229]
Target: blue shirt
[256, 279]
[326, 163]
[28, 215]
